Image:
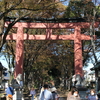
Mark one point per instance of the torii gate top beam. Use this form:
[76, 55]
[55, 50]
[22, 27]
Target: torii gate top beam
[52, 25]
[49, 20]
[46, 20]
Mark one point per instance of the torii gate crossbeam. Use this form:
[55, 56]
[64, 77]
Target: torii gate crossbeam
[20, 36]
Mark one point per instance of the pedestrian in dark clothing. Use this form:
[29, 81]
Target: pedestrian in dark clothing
[98, 95]
[54, 93]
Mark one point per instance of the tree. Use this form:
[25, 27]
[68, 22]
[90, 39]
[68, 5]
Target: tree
[19, 9]
[89, 11]
[40, 57]
[22, 8]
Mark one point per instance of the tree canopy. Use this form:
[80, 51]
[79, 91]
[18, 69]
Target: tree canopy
[47, 60]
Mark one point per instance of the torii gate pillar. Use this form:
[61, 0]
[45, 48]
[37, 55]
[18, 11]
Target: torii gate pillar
[19, 51]
[78, 62]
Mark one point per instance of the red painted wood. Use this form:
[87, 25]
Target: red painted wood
[50, 37]
[52, 25]
[78, 51]
[77, 37]
[11, 37]
[48, 33]
[42, 37]
[19, 51]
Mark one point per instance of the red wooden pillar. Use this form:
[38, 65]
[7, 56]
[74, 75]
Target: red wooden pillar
[78, 51]
[19, 51]
[48, 33]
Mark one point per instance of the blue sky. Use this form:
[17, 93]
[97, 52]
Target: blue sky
[90, 63]
[65, 2]
[4, 62]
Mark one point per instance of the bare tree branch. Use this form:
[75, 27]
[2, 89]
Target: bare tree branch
[8, 29]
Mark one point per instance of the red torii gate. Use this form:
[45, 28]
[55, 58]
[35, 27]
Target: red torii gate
[20, 36]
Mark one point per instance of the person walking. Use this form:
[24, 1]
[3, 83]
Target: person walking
[70, 93]
[92, 95]
[75, 95]
[46, 94]
[32, 93]
[9, 92]
[54, 93]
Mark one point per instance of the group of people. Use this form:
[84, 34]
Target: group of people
[46, 93]
[51, 94]
[74, 95]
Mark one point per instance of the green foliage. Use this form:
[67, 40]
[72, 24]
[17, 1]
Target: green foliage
[41, 58]
[78, 8]
[45, 60]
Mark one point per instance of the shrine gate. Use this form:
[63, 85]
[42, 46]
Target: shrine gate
[77, 37]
